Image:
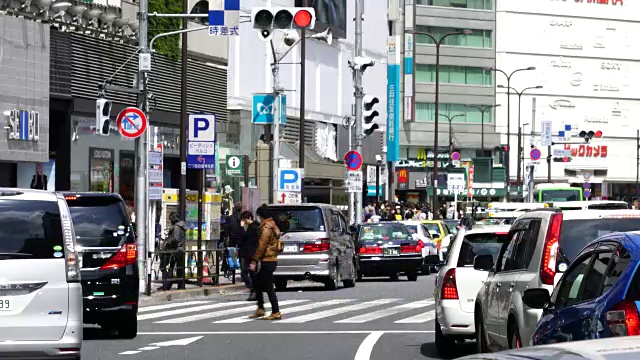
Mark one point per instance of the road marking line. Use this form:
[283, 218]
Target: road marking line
[147, 348]
[418, 319]
[365, 349]
[172, 305]
[130, 352]
[291, 332]
[385, 312]
[336, 311]
[189, 310]
[286, 311]
[214, 314]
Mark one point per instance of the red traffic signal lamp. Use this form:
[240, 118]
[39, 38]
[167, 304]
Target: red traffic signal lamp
[562, 159]
[588, 135]
[269, 19]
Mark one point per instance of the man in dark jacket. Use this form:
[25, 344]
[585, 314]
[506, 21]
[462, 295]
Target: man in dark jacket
[234, 230]
[174, 245]
[247, 249]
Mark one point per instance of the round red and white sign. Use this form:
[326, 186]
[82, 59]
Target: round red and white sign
[132, 122]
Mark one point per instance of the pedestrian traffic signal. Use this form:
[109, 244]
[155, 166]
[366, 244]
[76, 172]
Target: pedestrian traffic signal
[266, 20]
[368, 114]
[588, 135]
[561, 159]
[103, 113]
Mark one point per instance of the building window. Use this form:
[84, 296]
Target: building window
[100, 170]
[477, 38]
[454, 75]
[465, 4]
[426, 112]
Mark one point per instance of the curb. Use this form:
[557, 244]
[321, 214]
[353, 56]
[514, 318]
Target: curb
[173, 295]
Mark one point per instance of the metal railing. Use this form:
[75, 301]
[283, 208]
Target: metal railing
[196, 267]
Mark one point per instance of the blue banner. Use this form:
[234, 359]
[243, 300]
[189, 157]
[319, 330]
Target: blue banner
[264, 108]
[393, 112]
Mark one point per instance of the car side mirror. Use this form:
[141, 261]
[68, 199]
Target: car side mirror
[432, 260]
[483, 262]
[536, 298]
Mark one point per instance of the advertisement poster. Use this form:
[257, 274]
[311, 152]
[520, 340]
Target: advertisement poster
[37, 175]
[101, 170]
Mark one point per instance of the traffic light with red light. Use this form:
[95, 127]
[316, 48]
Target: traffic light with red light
[588, 135]
[266, 20]
[561, 159]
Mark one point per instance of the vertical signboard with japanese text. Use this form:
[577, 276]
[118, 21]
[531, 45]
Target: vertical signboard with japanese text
[408, 76]
[393, 97]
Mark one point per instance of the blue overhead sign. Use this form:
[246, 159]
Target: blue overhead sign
[201, 142]
[264, 108]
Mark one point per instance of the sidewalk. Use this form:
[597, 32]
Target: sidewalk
[191, 291]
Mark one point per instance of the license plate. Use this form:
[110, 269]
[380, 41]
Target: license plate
[5, 303]
[291, 248]
[391, 251]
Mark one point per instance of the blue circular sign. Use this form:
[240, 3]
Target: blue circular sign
[587, 193]
[455, 156]
[535, 154]
[353, 160]
[586, 185]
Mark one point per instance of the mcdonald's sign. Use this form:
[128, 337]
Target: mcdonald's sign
[403, 179]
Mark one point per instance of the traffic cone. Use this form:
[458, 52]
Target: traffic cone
[206, 279]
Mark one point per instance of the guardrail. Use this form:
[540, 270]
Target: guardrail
[198, 267]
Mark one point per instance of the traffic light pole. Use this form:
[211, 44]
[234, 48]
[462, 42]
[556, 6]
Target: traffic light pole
[359, 95]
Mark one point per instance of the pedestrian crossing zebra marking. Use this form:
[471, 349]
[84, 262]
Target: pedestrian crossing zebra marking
[287, 311]
[219, 313]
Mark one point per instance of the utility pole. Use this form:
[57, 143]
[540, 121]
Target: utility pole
[182, 192]
[359, 95]
[303, 88]
[637, 164]
[141, 152]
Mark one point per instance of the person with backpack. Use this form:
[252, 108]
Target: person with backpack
[265, 261]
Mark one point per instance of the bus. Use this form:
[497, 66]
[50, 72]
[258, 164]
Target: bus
[557, 192]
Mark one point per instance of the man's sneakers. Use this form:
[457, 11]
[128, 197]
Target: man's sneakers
[273, 316]
[258, 314]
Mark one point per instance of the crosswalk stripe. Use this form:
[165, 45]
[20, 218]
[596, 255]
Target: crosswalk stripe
[210, 315]
[287, 311]
[385, 312]
[418, 319]
[336, 311]
[189, 310]
[170, 306]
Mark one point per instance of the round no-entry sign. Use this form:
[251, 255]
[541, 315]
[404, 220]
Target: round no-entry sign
[535, 154]
[132, 122]
[353, 160]
[455, 156]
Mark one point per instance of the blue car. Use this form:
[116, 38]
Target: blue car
[597, 297]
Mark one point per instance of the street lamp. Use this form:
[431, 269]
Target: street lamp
[521, 132]
[508, 76]
[438, 43]
[519, 93]
[483, 109]
[450, 119]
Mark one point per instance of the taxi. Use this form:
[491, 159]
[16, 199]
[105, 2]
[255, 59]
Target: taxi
[438, 230]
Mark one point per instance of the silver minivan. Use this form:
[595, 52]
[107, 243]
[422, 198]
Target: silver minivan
[318, 246]
[40, 290]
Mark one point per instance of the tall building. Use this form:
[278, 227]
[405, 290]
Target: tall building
[586, 56]
[466, 98]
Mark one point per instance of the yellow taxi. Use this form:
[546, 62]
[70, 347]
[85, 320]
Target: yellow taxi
[437, 229]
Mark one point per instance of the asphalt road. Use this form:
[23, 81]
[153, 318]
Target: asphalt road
[377, 320]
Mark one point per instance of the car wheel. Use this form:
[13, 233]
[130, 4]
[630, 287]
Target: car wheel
[349, 283]
[426, 269]
[481, 337]
[127, 325]
[281, 284]
[394, 277]
[359, 278]
[412, 276]
[444, 344]
[333, 283]
[515, 342]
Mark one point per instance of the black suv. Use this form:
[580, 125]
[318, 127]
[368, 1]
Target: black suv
[108, 261]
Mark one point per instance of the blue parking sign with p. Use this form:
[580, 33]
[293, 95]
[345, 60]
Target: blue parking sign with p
[290, 180]
[201, 140]
[202, 127]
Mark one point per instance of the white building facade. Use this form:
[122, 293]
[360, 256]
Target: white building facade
[585, 57]
[329, 87]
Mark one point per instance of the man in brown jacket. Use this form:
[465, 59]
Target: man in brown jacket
[265, 262]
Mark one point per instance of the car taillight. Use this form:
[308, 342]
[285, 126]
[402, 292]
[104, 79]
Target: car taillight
[550, 250]
[420, 244]
[412, 249]
[127, 255]
[371, 250]
[623, 319]
[70, 255]
[320, 245]
[449, 286]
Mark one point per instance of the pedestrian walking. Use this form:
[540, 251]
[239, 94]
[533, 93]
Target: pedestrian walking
[265, 261]
[174, 256]
[247, 250]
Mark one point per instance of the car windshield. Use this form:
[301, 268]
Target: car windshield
[480, 244]
[301, 219]
[413, 229]
[560, 195]
[433, 228]
[384, 232]
[99, 221]
[576, 234]
[30, 230]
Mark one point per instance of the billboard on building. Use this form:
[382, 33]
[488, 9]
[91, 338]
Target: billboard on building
[40, 176]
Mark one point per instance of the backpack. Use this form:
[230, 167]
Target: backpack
[283, 225]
